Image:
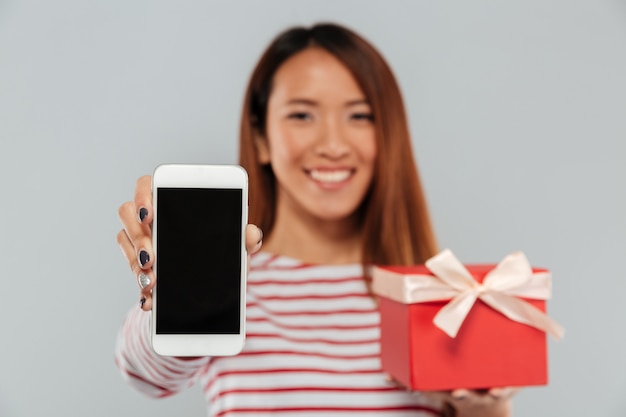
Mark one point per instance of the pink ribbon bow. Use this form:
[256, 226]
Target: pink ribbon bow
[511, 278]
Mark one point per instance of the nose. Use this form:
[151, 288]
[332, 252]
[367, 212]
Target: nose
[332, 142]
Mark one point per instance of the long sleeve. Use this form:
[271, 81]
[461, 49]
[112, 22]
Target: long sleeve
[154, 375]
[312, 347]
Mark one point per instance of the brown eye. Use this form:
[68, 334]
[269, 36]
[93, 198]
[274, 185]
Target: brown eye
[300, 116]
[362, 116]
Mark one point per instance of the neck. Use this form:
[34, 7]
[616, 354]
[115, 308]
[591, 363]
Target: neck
[316, 241]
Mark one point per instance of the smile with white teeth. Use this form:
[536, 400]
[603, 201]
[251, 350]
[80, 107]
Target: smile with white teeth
[333, 176]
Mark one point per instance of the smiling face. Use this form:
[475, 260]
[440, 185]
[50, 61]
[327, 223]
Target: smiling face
[320, 138]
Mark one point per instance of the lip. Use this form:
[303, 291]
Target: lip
[330, 178]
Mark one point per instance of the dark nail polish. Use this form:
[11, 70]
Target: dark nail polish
[143, 213]
[142, 301]
[144, 258]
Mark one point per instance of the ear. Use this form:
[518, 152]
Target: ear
[262, 149]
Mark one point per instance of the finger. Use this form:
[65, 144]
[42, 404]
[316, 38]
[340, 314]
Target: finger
[254, 238]
[503, 393]
[393, 381]
[437, 395]
[128, 216]
[145, 302]
[496, 393]
[139, 236]
[145, 278]
[143, 200]
[460, 394]
[390, 380]
[472, 399]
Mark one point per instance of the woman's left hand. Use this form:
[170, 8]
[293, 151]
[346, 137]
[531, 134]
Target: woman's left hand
[494, 402]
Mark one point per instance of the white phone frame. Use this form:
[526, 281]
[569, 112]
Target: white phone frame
[200, 176]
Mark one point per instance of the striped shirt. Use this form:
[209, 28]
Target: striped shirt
[312, 347]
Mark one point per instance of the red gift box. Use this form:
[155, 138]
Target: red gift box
[445, 325]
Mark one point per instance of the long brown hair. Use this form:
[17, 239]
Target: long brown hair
[396, 225]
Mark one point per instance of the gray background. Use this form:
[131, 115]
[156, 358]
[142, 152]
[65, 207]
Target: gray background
[518, 115]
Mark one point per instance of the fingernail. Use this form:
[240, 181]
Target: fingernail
[142, 302]
[260, 235]
[143, 213]
[143, 258]
[144, 280]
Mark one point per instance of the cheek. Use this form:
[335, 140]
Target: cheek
[368, 149]
[371, 151]
[287, 144]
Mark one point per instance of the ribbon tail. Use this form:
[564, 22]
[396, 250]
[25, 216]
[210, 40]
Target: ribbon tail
[523, 312]
[452, 315]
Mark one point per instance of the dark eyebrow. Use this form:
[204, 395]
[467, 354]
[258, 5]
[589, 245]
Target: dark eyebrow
[309, 102]
[357, 102]
[302, 101]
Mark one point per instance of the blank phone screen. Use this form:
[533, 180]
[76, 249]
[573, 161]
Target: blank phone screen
[198, 260]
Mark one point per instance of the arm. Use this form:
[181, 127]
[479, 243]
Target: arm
[154, 375]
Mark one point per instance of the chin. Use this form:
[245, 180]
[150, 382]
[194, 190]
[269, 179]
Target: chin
[336, 215]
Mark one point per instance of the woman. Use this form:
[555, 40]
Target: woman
[334, 187]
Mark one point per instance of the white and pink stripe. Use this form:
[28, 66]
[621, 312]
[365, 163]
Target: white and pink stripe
[312, 347]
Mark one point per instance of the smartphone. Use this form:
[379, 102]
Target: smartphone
[198, 231]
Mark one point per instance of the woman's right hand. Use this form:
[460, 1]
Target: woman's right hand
[135, 239]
